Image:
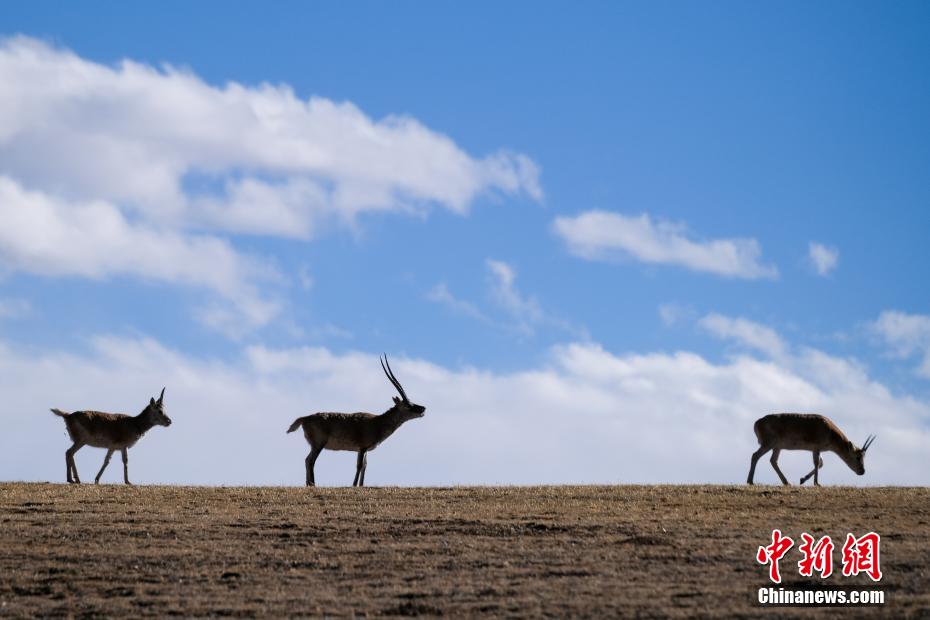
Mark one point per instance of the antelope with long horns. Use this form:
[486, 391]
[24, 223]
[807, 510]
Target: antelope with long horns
[356, 432]
[113, 431]
[805, 431]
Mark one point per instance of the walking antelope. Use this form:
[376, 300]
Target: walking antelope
[113, 431]
[805, 431]
[356, 432]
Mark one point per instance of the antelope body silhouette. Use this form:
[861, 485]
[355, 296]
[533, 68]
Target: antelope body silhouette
[357, 432]
[113, 431]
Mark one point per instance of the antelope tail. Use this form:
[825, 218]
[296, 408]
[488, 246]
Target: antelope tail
[59, 412]
[295, 425]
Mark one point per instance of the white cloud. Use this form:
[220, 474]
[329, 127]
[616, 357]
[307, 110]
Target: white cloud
[45, 236]
[144, 172]
[602, 235]
[823, 258]
[907, 335]
[586, 415]
[152, 139]
[746, 332]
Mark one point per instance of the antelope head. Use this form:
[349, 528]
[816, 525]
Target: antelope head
[402, 405]
[156, 411]
[857, 463]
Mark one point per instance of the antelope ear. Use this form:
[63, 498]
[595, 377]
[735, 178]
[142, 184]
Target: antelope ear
[151, 401]
[396, 400]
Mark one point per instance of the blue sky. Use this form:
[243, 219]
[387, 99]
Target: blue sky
[588, 215]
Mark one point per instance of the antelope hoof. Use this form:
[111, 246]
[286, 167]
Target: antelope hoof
[129, 483]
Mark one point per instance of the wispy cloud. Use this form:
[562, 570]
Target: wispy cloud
[442, 295]
[824, 259]
[745, 332]
[524, 309]
[305, 277]
[14, 308]
[673, 313]
[603, 235]
[906, 335]
[523, 314]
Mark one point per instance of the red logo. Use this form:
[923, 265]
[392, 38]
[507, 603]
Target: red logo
[860, 555]
[773, 553]
[817, 557]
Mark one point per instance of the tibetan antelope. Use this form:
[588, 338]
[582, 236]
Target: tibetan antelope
[356, 432]
[805, 431]
[113, 431]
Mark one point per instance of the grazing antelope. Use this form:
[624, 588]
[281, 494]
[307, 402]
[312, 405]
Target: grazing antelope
[113, 431]
[356, 432]
[805, 431]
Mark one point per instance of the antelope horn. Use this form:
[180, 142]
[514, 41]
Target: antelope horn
[162, 395]
[868, 442]
[392, 378]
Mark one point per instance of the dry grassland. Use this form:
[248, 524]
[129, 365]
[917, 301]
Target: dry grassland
[113, 550]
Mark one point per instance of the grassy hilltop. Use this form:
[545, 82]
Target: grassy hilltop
[568, 550]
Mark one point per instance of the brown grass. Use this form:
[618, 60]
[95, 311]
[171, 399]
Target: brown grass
[516, 551]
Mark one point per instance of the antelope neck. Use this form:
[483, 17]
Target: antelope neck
[143, 422]
[391, 418]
